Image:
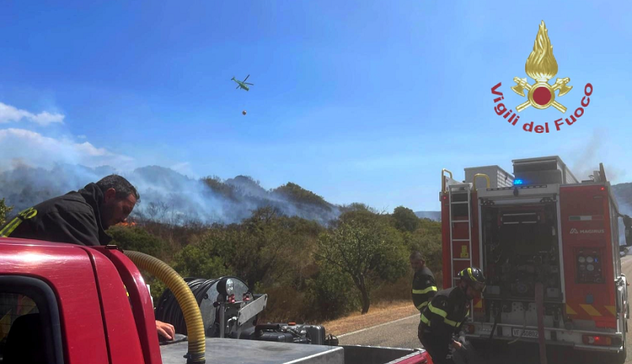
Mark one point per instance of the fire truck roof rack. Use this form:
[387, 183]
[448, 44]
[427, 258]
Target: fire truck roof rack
[542, 170]
[498, 177]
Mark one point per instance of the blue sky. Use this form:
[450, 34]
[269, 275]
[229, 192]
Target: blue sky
[358, 101]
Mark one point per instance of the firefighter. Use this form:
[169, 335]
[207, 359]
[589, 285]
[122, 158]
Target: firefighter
[424, 285]
[441, 320]
[81, 217]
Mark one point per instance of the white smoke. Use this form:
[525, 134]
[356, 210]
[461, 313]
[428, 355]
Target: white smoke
[35, 167]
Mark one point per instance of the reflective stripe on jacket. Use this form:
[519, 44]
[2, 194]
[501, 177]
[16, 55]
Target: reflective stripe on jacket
[445, 314]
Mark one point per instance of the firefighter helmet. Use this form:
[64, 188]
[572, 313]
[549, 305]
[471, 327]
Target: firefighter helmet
[474, 277]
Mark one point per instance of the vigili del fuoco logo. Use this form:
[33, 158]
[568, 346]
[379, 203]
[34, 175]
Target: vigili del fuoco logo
[541, 66]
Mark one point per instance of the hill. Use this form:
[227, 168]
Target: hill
[168, 196]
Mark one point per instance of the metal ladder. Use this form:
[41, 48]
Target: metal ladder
[458, 190]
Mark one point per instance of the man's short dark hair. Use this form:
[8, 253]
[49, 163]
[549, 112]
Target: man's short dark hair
[121, 185]
[416, 256]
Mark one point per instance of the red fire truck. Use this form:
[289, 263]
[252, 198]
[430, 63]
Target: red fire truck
[549, 246]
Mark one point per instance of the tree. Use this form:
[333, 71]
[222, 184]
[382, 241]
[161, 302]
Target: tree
[260, 249]
[357, 206]
[427, 240]
[405, 219]
[329, 292]
[300, 195]
[367, 249]
[4, 211]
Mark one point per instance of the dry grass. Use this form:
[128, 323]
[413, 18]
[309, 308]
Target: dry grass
[378, 314]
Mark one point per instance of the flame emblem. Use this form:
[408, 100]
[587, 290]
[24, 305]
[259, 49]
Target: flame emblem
[541, 66]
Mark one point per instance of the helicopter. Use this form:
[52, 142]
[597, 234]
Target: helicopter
[242, 84]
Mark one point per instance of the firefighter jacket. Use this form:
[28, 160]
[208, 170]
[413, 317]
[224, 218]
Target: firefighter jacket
[424, 288]
[72, 218]
[445, 314]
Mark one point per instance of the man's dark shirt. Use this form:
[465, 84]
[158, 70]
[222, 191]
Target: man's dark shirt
[424, 288]
[445, 313]
[72, 218]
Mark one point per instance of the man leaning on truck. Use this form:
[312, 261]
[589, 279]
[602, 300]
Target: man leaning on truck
[81, 217]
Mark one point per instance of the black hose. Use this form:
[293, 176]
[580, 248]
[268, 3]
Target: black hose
[168, 310]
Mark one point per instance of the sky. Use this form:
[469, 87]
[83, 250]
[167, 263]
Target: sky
[357, 101]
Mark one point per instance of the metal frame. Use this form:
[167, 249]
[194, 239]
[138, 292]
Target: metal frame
[480, 238]
[560, 163]
[560, 244]
[480, 326]
[468, 191]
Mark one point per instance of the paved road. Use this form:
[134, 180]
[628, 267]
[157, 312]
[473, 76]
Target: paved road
[403, 333]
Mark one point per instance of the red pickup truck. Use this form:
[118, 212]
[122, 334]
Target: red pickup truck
[62, 303]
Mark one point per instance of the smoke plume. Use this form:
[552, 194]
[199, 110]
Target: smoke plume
[35, 167]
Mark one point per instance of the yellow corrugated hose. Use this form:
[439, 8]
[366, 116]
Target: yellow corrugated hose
[185, 298]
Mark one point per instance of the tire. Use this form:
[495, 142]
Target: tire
[483, 347]
[620, 357]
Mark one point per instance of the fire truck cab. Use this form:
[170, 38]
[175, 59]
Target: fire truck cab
[549, 246]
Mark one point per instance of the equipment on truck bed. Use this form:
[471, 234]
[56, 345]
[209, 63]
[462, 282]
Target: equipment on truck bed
[549, 246]
[228, 300]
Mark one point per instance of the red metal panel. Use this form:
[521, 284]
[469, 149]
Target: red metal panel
[120, 326]
[587, 201]
[141, 303]
[460, 229]
[69, 271]
[421, 358]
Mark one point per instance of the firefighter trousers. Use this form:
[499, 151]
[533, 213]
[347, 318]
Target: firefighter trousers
[437, 347]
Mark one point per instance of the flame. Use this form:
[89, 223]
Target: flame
[541, 64]
[127, 224]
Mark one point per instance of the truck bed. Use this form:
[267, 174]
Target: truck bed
[232, 351]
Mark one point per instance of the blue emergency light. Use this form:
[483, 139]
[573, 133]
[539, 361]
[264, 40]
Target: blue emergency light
[517, 182]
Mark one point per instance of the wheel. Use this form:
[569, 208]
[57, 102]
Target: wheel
[620, 357]
[483, 347]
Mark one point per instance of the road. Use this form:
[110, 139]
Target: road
[403, 333]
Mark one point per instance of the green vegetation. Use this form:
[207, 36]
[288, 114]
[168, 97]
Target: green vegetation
[301, 195]
[309, 271]
[4, 211]
[366, 248]
[405, 219]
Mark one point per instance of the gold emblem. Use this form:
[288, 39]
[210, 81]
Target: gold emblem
[541, 66]
[464, 253]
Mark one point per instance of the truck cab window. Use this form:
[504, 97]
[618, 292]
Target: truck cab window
[29, 328]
